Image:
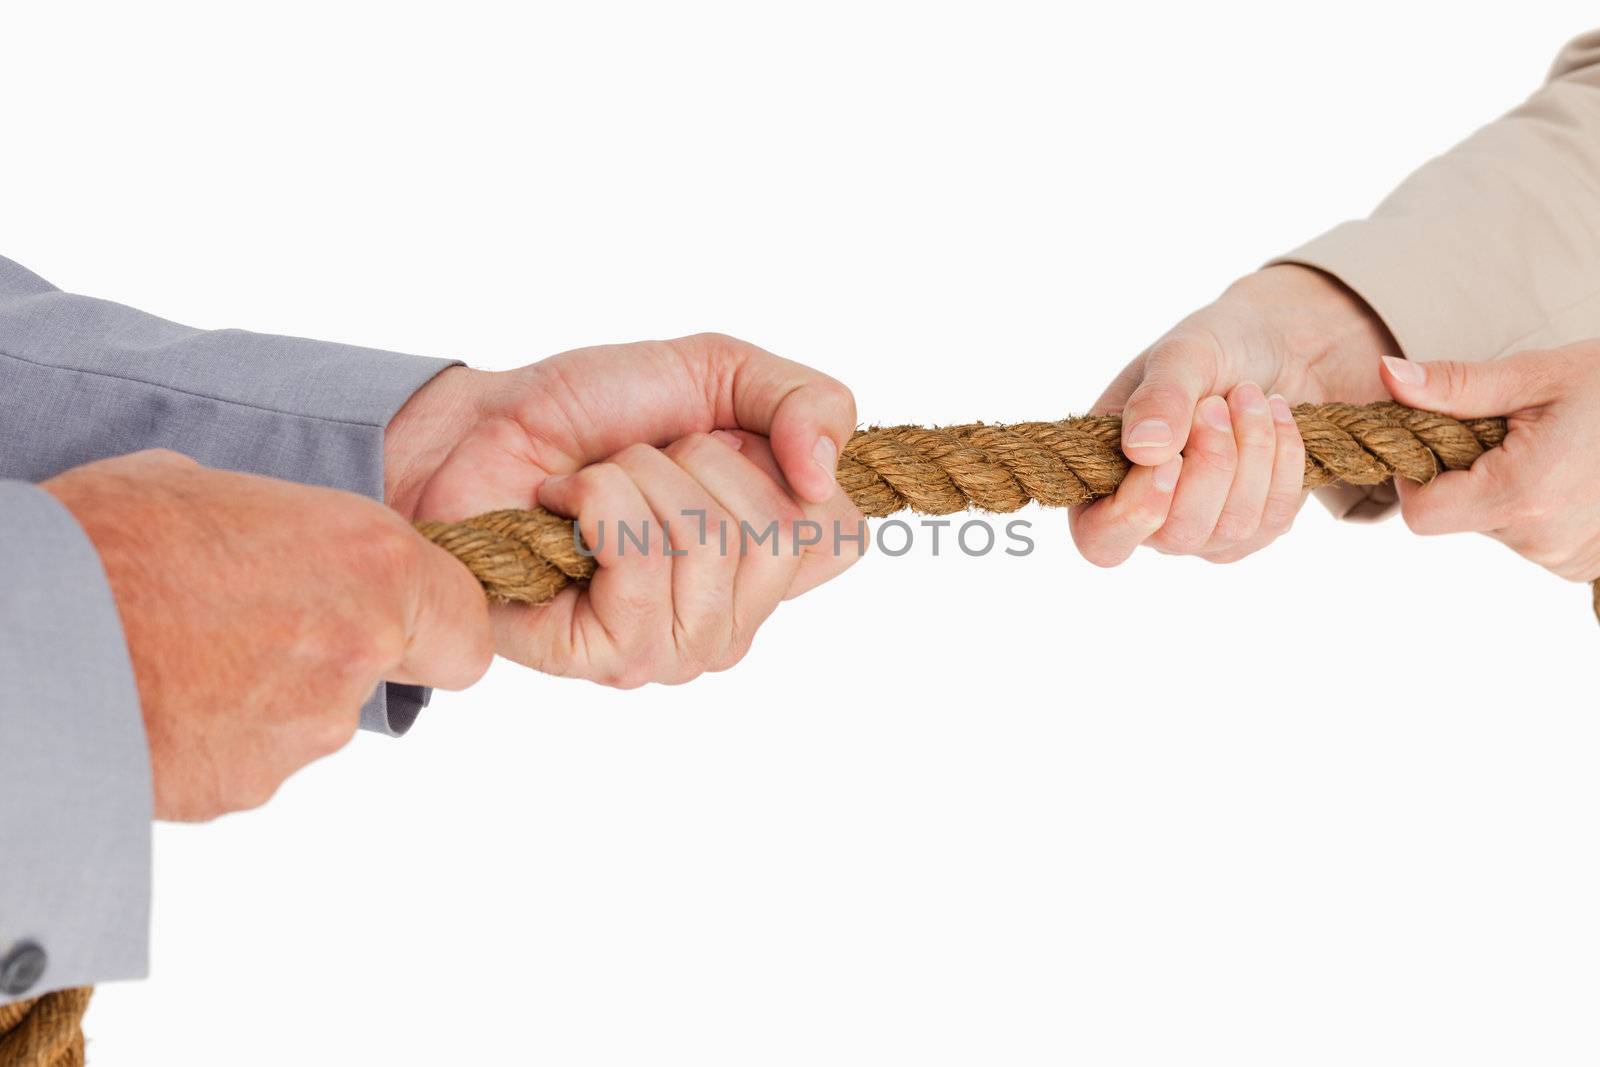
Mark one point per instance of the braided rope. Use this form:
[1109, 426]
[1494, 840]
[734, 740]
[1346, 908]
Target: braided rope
[44, 1032]
[528, 556]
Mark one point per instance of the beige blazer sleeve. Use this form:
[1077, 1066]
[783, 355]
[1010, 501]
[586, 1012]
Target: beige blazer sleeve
[1491, 248]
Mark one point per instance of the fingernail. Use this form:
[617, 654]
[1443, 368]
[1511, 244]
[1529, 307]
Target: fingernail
[1280, 410]
[1166, 475]
[732, 440]
[1151, 433]
[1214, 410]
[1406, 371]
[1253, 400]
[826, 454]
[553, 481]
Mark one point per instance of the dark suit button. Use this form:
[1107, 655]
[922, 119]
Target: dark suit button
[23, 968]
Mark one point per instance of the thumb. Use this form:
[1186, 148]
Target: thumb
[1471, 390]
[807, 416]
[1177, 374]
[448, 640]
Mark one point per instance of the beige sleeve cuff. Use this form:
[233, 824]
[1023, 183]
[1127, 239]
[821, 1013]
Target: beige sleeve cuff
[1355, 255]
[1492, 248]
[1357, 503]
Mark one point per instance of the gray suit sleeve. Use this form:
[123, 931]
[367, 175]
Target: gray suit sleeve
[74, 771]
[83, 379]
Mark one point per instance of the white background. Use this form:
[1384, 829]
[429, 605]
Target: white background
[1336, 804]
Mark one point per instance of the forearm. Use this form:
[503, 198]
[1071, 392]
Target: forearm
[1491, 248]
[1494, 246]
[83, 379]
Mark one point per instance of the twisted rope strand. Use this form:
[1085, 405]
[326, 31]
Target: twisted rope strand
[46, 1031]
[527, 557]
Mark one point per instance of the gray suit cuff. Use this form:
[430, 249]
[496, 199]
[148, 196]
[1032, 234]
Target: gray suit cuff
[82, 379]
[393, 707]
[75, 792]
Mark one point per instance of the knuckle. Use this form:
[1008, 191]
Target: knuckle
[1100, 555]
[634, 608]
[1156, 394]
[354, 663]
[1450, 377]
[248, 793]
[1255, 431]
[1233, 528]
[189, 799]
[393, 546]
[1292, 445]
[480, 656]
[330, 733]
[633, 455]
[1542, 376]
[685, 672]
[1216, 456]
[1086, 537]
[731, 655]
[1138, 521]
[654, 562]
[836, 395]
[690, 446]
[691, 669]
[1417, 518]
[712, 340]
[696, 650]
[1279, 515]
[1182, 349]
[710, 351]
[703, 531]
[787, 516]
[631, 673]
[600, 479]
[353, 650]
[215, 807]
[1182, 538]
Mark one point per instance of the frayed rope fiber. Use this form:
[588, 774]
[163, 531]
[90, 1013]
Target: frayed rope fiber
[527, 557]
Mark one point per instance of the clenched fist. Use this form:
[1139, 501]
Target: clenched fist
[259, 615]
[686, 444]
[1217, 389]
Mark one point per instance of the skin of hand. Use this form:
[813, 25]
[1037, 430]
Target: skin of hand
[260, 614]
[1539, 492]
[641, 434]
[1217, 388]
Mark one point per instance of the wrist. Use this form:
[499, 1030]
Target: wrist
[1333, 337]
[115, 514]
[424, 431]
